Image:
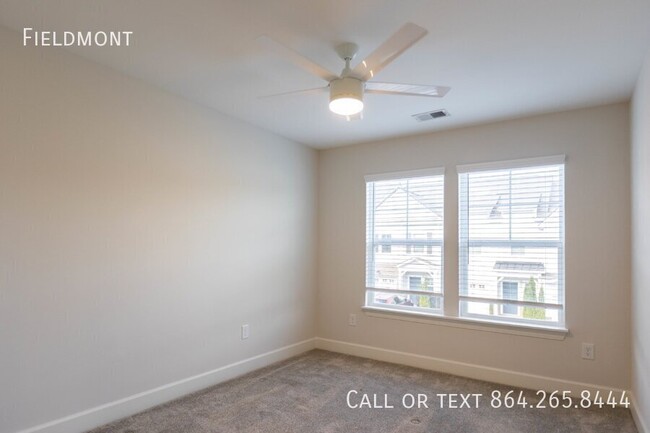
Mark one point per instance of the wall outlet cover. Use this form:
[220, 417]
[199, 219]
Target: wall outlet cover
[588, 351]
[245, 331]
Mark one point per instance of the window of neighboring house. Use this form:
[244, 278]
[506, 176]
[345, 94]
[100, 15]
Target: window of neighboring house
[386, 246]
[506, 209]
[510, 291]
[418, 282]
[408, 208]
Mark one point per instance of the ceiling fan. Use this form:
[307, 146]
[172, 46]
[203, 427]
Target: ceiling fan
[347, 90]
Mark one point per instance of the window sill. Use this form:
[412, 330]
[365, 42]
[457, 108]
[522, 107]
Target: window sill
[467, 323]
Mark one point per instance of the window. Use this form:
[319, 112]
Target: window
[404, 214]
[386, 246]
[416, 283]
[510, 291]
[511, 241]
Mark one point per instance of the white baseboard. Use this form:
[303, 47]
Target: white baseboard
[472, 371]
[638, 419]
[96, 416]
[100, 415]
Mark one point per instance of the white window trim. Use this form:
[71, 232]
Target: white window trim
[509, 165]
[512, 164]
[410, 174]
[502, 327]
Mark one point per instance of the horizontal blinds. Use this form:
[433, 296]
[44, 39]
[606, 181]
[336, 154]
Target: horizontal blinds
[511, 242]
[404, 241]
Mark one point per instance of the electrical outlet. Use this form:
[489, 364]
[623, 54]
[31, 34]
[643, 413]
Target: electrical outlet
[245, 331]
[352, 320]
[588, 351]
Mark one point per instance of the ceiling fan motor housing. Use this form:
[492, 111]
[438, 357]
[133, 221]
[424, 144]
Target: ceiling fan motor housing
[346, 96]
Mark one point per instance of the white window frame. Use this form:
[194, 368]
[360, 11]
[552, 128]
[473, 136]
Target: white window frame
[464, 244]
[370, 247]
[554, 331]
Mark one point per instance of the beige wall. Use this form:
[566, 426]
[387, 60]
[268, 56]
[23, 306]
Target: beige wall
[138, 231]
[641, 245]
[596, 143]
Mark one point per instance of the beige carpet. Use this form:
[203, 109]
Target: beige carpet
[308, 394]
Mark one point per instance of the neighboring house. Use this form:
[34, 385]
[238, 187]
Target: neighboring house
[507, 279]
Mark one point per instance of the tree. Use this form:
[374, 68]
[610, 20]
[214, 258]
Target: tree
[530, 295]
[530, 292]
[542, 299]
[424, 301]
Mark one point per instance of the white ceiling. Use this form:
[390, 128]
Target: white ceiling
[502, 58]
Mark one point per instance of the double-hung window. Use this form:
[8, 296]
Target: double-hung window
[511, 241]
[404, 233]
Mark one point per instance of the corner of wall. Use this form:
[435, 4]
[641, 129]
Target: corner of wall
[640, 297]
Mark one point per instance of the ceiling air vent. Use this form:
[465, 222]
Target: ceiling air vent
[437, 114]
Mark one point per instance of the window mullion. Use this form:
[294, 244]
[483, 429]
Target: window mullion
[452, 259]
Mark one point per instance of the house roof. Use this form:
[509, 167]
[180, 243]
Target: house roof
[415, 196]
[419, 261]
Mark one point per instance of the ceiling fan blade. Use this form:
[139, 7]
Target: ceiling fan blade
[313, 91]
[406, 89]
[297, 58]
[401, 40]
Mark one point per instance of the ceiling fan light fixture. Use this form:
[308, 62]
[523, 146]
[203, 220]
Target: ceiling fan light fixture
[346, 96]
[346, 106]
[347, 88]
